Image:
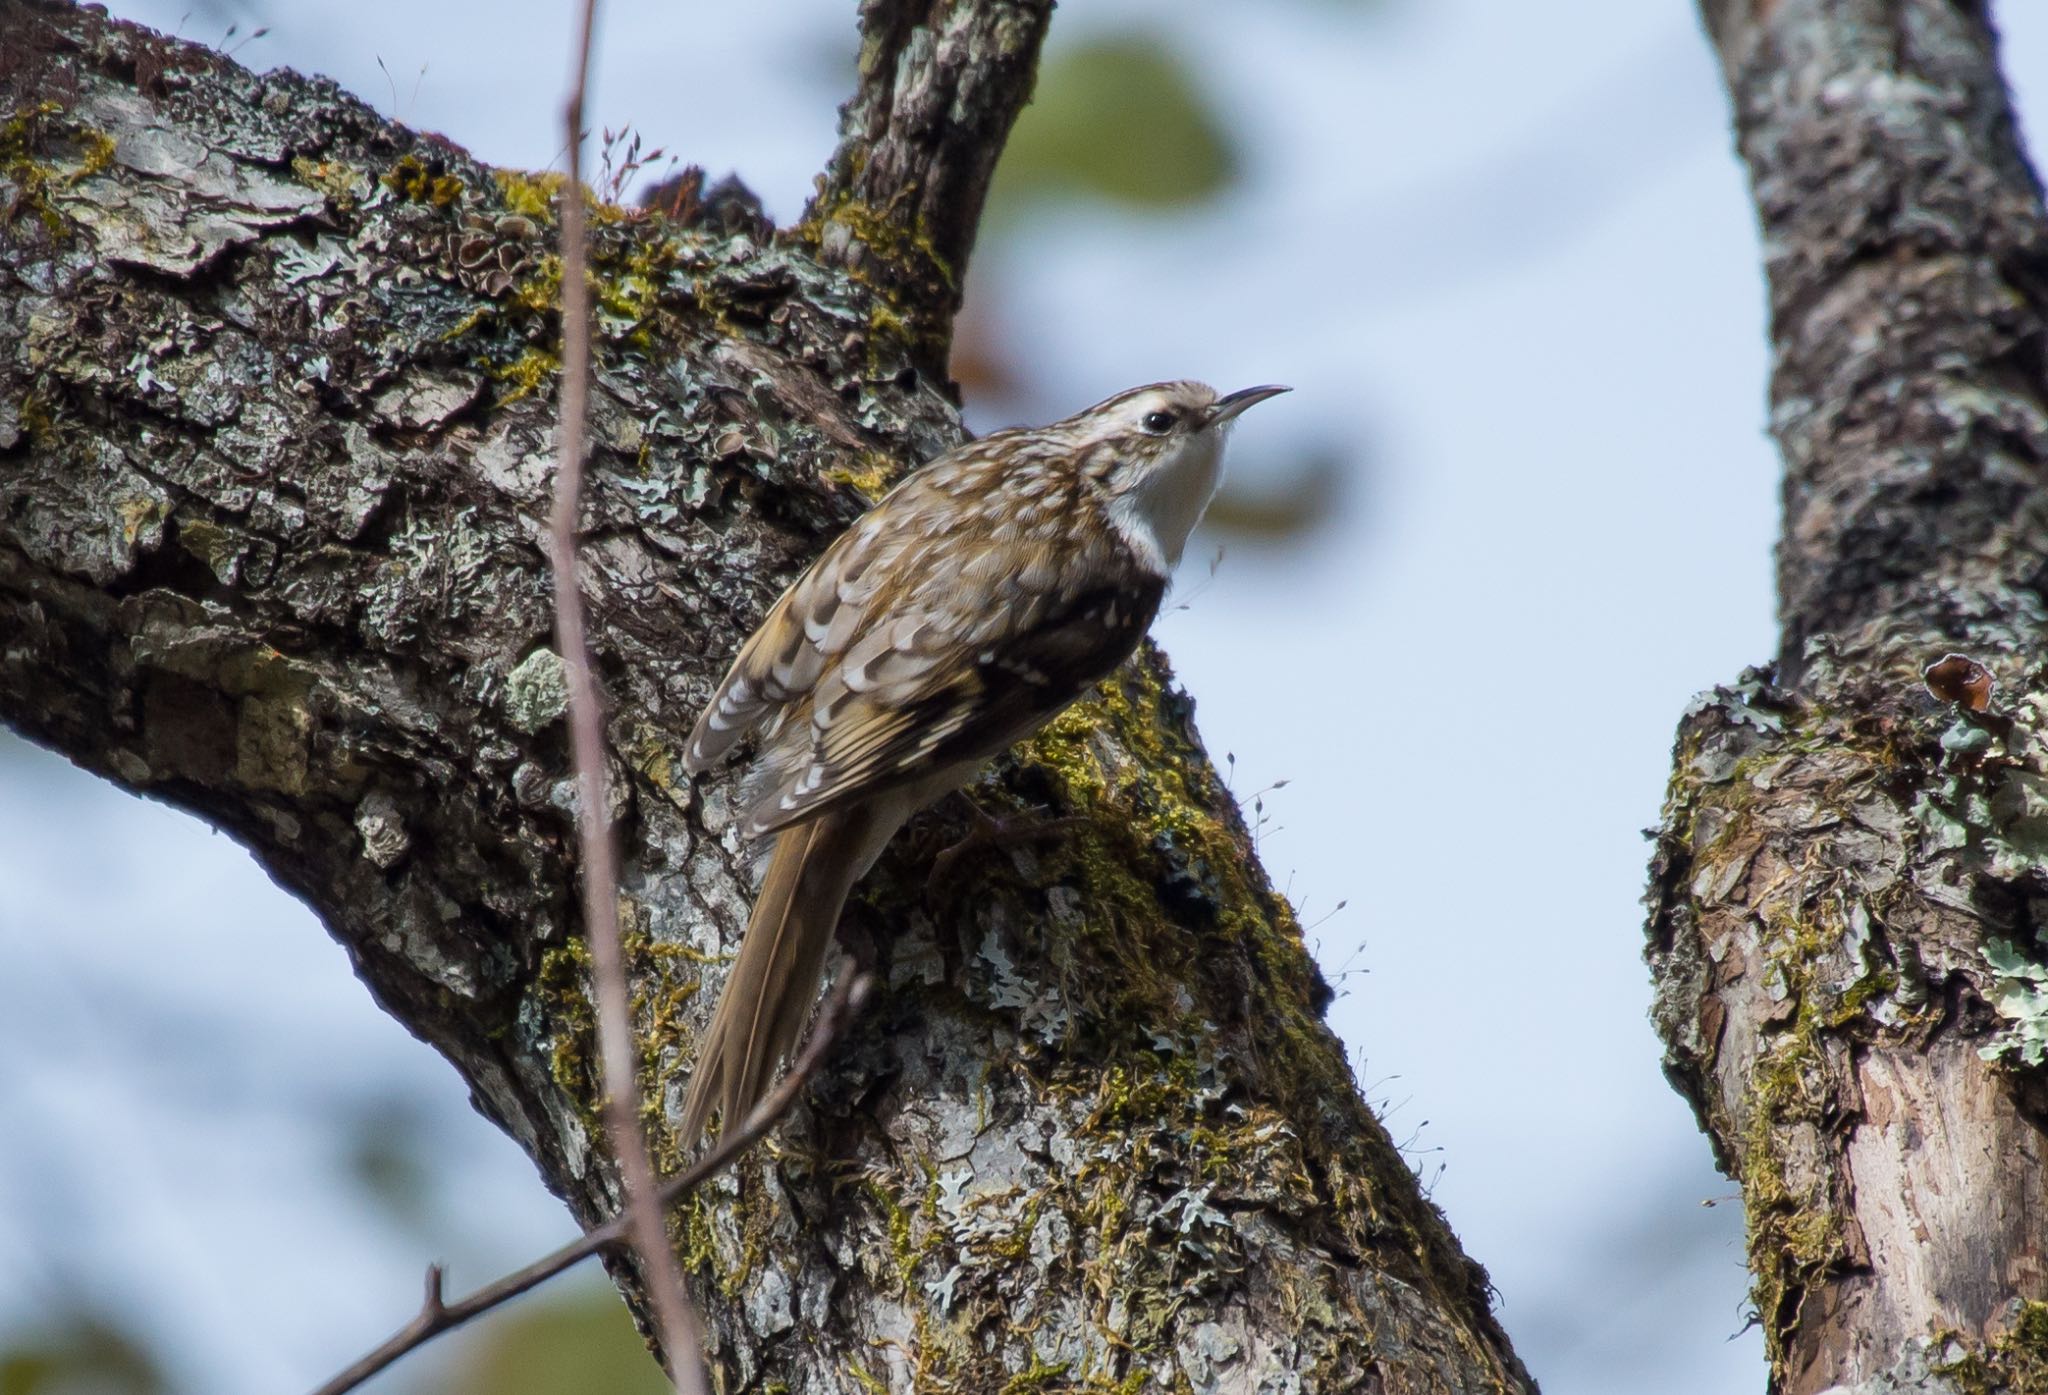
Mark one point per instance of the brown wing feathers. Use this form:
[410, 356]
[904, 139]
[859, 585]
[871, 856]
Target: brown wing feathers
[916, 645]
[976, 696]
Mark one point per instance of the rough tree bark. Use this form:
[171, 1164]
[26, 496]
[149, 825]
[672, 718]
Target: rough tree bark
[274, 452]
[1844, 856]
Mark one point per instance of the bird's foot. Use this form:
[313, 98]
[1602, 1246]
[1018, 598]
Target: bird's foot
[985, 830]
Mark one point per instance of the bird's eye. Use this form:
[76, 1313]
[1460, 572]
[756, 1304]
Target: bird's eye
[1158, 423]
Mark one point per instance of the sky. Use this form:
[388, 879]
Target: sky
[1506, 258]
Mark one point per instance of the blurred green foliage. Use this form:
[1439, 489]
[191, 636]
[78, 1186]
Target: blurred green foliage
[79, 1353]
[387, 1150]
[1291, 498]
[574, 1338]
[1117, 118]
[576, 1341]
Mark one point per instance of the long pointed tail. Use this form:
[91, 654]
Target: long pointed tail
[774, 981]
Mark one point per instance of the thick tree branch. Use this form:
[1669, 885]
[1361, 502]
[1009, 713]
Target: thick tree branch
[1840, 848]
[275, 383]
[1904, 248]
[940, 83]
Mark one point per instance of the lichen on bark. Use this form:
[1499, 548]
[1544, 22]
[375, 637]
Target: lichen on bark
[276, 384]
[1839, 845]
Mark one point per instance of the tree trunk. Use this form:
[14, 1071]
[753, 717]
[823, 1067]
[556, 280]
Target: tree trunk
[275, 443]
[1849, 878]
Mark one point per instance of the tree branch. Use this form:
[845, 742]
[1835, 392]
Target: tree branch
[436, 1316]
[941, 81]
[1905, 251]
[1839, 849]
[276, 418]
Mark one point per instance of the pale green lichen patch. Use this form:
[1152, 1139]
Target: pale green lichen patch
[1986, 816]
[537, 691]
[2020, 994]
[1806, 887]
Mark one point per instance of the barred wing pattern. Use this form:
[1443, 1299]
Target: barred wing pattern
[972, 603]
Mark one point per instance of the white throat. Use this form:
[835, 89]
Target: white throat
[1157, 516]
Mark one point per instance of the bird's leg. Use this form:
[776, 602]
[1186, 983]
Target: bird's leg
[856, 941]
[985, 830]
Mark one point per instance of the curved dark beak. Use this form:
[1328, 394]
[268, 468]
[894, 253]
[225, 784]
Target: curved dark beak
[1231, 403]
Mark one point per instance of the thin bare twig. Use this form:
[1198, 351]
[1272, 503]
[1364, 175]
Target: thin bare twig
[436, 1315]
[674, 1324]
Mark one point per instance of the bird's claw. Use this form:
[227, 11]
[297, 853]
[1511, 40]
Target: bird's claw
[984, 830]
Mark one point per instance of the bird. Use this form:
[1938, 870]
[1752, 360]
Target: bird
[976, 600]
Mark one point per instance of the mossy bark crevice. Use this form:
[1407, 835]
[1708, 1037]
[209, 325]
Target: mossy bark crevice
[900, 203]
[276, 423]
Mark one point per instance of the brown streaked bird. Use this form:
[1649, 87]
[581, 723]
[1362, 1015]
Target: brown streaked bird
[986, 592]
